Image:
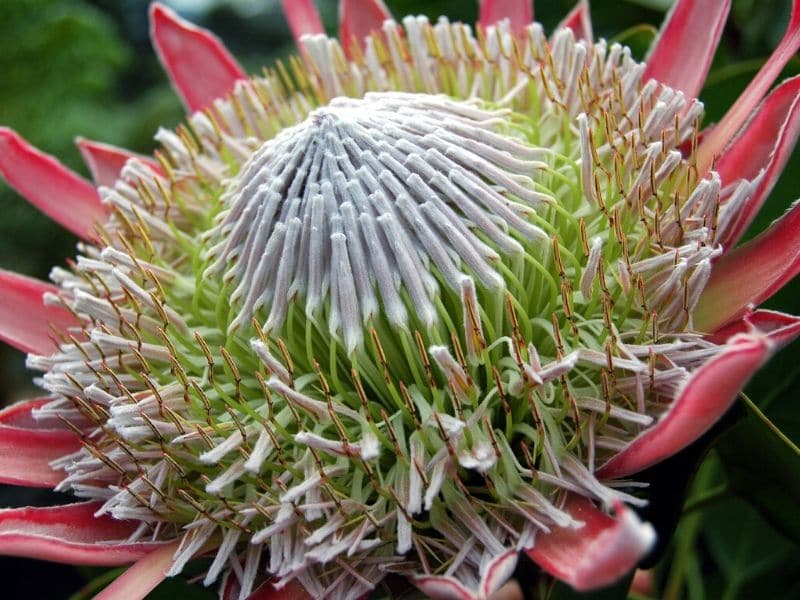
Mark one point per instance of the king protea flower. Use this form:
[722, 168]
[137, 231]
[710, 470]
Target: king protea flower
[412, 302]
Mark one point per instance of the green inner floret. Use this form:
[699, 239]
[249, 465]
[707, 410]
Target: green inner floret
[449, 402]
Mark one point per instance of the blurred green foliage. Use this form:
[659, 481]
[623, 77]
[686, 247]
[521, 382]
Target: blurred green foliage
[60, 63]
[80, 67]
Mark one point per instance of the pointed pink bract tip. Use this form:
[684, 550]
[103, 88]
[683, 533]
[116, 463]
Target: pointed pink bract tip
[105, 162]
[358, 19]
[26, 323]
[716, 141]
[199, 65]
[751, 273]
[597, 554]
[579, 21]
[302, 17]
[28, 446]
[685, 46]
[780, 328]
[58, 192]
[518, 12]
[765, 145]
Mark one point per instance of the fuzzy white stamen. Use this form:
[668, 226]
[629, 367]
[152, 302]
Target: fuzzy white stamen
[363, 161]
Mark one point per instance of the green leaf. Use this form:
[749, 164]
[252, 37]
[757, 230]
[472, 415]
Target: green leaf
[753, 559]
[668, 483]
[97, 583]
[762, 465]
[682, 575]
[659, 5]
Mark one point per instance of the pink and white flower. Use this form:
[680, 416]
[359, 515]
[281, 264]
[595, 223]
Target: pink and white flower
[415, 302]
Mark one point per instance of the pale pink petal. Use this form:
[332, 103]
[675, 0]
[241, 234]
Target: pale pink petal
[705, 396]
[200, 67]
[358, 19]
[751, 273]
[62, 195]
[105, 161]
[580, 21]
[715, 142]
[779, 327]
[142, 577]
[597, 554]
[685, 46]
[765, 143]
[70, 534]
[303, 18]
[27, 447]
[518, 12]
[25, 322]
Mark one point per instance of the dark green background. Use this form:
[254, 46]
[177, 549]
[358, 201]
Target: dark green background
[74, 67]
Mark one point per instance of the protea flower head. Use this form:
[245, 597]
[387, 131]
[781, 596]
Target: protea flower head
[413, 302]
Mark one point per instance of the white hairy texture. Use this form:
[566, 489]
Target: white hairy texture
[348, 209]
